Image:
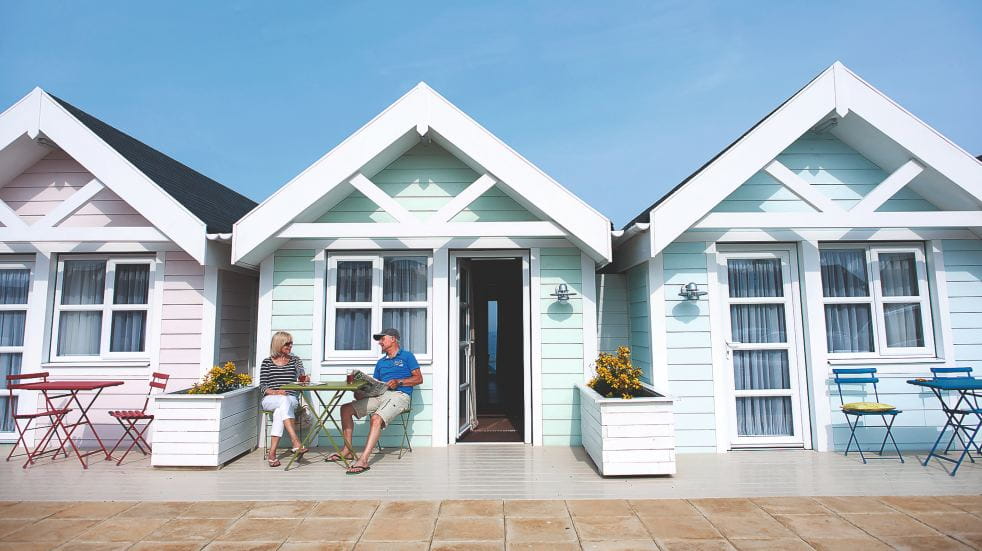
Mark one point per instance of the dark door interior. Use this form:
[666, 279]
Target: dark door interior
[500, 354]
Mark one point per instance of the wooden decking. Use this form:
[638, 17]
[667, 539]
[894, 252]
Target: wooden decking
[485, 471]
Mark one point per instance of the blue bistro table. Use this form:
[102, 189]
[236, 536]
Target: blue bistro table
[964, 415]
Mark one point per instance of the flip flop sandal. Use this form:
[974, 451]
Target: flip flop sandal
[337, 458]
[274, 462]
[357, 469]
[299, 451]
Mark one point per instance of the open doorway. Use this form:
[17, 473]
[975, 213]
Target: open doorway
[491, 362]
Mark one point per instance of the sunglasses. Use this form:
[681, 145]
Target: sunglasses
[288, 343]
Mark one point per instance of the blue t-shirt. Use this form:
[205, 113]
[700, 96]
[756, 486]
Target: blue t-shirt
[400, 366]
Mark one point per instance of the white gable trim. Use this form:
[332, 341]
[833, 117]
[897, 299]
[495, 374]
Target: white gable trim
[421, 111]
[801, 188]
[70, 205]
[40, 113]
[888, 187]
[835, 89]
[382, 199]
[464, 198]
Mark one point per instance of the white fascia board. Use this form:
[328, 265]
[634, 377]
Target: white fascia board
[929, 146]
[331, 170]
[20, 118]
[678, 212]
[314, 230]
[132, 186]
[795, 220]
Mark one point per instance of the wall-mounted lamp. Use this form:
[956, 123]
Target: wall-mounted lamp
[690, 291]
[562, 293]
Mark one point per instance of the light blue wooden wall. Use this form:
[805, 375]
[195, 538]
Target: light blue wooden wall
[689, 349]
[639, 318]
[835, 169]
[423, 180]
[561, 346]
[613, 324]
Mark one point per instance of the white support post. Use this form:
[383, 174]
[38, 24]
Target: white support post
[317, 334]
[441, 341]
[382, 199]
[463, 199]
[536, 352]
[722, 388]
[657, 323]
[800, 187]
[815, 345]
[888, 187]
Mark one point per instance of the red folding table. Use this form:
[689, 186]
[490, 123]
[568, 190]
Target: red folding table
[72, 388]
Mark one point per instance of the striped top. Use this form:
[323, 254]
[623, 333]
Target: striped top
[274, 376]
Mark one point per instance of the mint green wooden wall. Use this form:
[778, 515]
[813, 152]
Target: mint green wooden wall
[834, 168]
[689, 349]
[638, 314]
[613, 323]
[422, 181]
[561, 326]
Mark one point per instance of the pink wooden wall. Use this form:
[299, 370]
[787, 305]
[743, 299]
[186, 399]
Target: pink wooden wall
[181, 330]
[237, 319]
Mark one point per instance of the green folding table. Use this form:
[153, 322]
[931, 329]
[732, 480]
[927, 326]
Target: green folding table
[336, 390]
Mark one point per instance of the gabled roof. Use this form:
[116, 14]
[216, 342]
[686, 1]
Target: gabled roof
[838, 91]
[214, 204]
[420, 112]
[181, 203]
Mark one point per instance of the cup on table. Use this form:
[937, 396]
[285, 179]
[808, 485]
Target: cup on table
[350, 378]
[303, 379]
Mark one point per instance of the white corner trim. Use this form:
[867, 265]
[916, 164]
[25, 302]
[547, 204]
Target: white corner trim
[464, 198]
[535, 311]
[940, 309]
[657, 323]
[70, 205]
[588, 272]
[210, 318]
[382, 199]
[800, 187]
[888, 187]
[264, 314]
[320, 295]
[721, 388]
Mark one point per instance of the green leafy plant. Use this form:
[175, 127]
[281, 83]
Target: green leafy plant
[616, 376]
[221, 379]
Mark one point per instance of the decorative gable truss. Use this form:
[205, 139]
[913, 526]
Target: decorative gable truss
[917, 158]
[421, 115]
[114, 201]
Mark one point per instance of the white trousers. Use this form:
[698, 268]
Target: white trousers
[282, 408]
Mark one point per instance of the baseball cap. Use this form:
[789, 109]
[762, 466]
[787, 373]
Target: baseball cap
[390, 332]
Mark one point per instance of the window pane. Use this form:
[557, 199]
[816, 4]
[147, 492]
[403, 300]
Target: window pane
[132, 284]
[755, 277]
[354, 282]
[844, 273]
[128, 332]
[14, 286]
[898, 274]
[411, 323]
[12, 328]
[7, 409]
[757, 323]
[765, 416]
[761, 369]
[84, 282]
[79, 333]
[353, 329]
[9, 365]
[849, 327]
[404, 279]
[903, 325]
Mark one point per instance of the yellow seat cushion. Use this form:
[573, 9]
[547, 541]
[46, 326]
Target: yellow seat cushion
[867, 407]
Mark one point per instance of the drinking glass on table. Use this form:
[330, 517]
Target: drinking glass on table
[303, 379]
[350, 377]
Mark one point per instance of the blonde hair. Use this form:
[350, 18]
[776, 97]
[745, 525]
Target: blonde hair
[280, 338]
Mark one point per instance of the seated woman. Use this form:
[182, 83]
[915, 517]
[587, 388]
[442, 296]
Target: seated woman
[280, 368]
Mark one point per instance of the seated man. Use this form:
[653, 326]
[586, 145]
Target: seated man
[400, 370]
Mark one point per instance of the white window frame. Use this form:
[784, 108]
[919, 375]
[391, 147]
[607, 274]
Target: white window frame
[376, 304]
[17, 265]
[107, 307]
[876, 300]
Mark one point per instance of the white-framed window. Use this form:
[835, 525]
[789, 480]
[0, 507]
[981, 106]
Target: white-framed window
[102, 307]
[15, 288]
[369, 292]
[877, 300]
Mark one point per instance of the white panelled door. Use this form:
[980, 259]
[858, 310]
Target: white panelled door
[762, 327]
[15, 287]
[466, 360]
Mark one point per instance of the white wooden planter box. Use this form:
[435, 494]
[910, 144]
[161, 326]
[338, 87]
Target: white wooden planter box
[204, 430]
[628, 437]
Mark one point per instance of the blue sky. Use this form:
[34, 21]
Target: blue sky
[617, 103]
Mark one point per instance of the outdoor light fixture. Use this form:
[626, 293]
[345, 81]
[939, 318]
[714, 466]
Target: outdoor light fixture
[691, 291]
[562, 293]
[825, 125]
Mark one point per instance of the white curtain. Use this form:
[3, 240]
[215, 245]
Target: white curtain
[83, 282]
[12, 328]
[755, 277]
[353, 329]
[354, 282]
[132, 284]
[9, 365]
[761, 369]
[128, 331]
[14, 286]
[898, 274]
[404, 279]
[764, 416]
[79, 333]
[411, 323]
[902, 321]
[757, 323]
[848, 327]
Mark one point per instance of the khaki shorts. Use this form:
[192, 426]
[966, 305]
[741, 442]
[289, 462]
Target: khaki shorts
[387, 406]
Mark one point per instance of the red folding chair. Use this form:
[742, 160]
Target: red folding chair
[53, 413]
[128, 419]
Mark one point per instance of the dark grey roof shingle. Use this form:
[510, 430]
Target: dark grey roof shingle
[214, 204]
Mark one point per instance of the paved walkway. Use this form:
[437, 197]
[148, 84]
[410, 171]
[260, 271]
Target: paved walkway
[866, 523]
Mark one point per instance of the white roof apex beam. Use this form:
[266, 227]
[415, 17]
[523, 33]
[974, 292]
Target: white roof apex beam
[68, 206]
[382, 199]
[801, 188]
[888, 187]
[771, 220]
[324, 230]
[464, 198]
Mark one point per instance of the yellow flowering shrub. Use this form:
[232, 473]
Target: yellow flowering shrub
[221, 379]
[616, 376]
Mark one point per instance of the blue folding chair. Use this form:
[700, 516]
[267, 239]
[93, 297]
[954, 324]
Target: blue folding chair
[966, 405]
[854, 411]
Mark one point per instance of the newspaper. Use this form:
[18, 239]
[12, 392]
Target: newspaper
[370, 386]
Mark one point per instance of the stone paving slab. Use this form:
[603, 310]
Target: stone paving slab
[824, 523]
